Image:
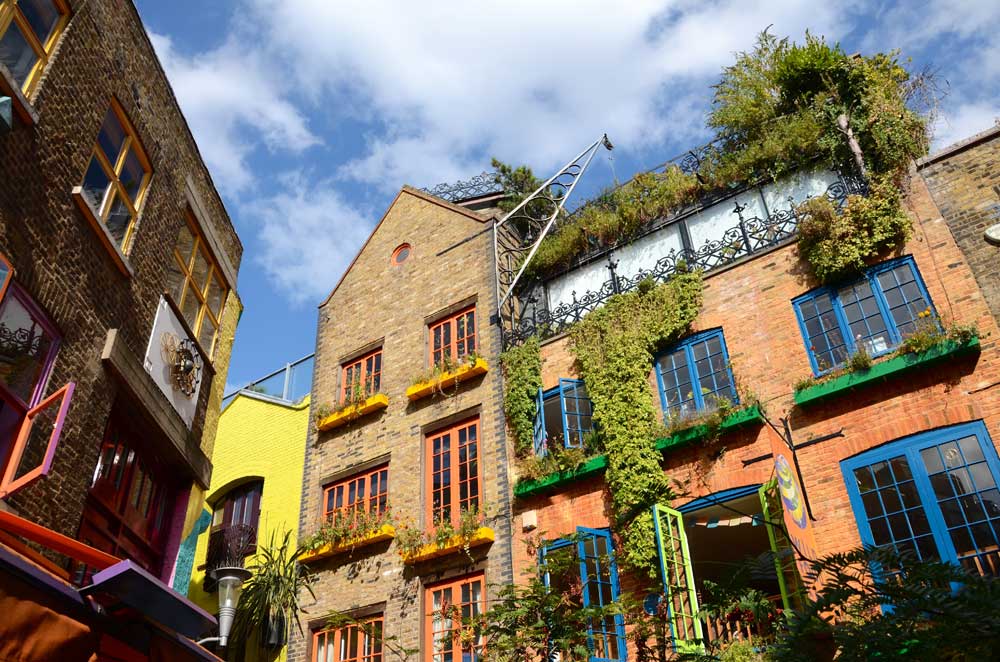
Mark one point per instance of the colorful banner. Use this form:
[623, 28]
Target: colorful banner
[793, 503]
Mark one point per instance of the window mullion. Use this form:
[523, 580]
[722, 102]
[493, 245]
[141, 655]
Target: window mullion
[883, 307]
[845, 328]
[699, 401]
[29, 35]
[939, 529]
[5, 16]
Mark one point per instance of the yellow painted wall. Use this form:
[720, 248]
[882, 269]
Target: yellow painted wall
[264, 439]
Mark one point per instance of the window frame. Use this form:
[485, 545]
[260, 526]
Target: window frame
[456, 584]
[687, 345]
[910, 447]
[454, 503]
[338, 634]
[14, 290]
[241, 493]
[449, 352]
[10, 13]
[112, 171]
[870, 275]
[371, 386]
[368, 500]
[11, 483]
[566, 388]
[186, 270]
[582, 534]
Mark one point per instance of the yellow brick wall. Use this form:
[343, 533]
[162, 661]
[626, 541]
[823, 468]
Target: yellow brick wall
[262, 439]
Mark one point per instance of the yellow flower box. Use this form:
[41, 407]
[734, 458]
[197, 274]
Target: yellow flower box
[384, 532]
[483, 536]
[466, 371]
[348, 414]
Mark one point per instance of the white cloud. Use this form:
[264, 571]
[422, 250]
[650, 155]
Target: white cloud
[231, 100]
[308, 234]
[964, 121]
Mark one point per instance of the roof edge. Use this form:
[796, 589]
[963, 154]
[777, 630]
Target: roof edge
[959, 146]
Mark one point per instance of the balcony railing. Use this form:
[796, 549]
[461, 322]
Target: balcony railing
[696, 239]
[229, 546]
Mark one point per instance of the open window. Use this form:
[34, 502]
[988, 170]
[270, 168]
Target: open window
[731, 540]
[564, 416]
[31, 456]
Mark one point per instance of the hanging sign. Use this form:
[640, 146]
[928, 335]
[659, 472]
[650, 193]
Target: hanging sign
[793, 505]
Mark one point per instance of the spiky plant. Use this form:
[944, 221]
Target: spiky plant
[271, 597]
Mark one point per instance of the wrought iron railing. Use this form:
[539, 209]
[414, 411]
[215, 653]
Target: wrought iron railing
[485, 183]
[748, 236]
[229, 546]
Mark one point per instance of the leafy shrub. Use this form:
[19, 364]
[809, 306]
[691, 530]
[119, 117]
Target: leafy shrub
[522, 370]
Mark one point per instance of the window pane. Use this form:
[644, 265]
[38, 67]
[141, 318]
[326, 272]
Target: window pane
[132, 175]
[16, 54]
[200, 270]
[118, 220]
[24, 348]
[42, 428]
[95, 185]
[190, 307]
[175, 280]
[207, 334]
[185, 245]
[41, 15]
[111, 137]
[214, 296]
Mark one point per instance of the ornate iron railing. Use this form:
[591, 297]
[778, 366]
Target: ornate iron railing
[485, 183]
[229, 546]
[749, 235]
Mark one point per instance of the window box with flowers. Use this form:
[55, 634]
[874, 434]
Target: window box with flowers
[355, 514]
[417, 546]
[445, 375]
[351, 411]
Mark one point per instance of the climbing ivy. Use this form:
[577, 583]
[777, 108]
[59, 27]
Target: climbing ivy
[522, 370]
[615, 347]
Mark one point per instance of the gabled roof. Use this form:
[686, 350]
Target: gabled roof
[417, 193]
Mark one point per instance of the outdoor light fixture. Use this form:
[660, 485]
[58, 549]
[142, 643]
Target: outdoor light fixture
[230, 582]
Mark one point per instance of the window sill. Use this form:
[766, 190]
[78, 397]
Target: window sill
[102, 233]
[381, 534]
[460, 374]
[596, 466]
[738, 419]
[20, 104]
[483, 536]
[884, 370]
[371, 405]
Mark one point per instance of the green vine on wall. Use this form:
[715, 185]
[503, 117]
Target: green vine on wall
[615, 347]
[522, 371]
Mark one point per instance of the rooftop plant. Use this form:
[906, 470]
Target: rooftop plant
[777, 108]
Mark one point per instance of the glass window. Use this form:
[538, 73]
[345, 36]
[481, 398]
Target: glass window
[116, 179]
[875, 314]
[196, 285]
[564, 416]
[598, 585]
[453, 462]
[28, 31]
[360, 641]
[448, 604]
[361, 378]
[693, 375]
[364, 493]
[27, 347]
[453, 338]
[932, 495]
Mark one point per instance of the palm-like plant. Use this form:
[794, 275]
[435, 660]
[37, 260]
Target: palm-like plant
[270, 600]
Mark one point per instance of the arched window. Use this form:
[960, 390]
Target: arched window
[234, 525]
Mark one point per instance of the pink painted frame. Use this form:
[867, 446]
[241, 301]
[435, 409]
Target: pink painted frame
[8, 277]
[9, 484]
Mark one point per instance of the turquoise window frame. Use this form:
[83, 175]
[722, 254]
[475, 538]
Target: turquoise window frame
[583, 535]
[910, 447]
[566, 390]
[871, 276]
[687, 345]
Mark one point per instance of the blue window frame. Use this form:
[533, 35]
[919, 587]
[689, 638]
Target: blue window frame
[694, 374]
[564, 415]
[932, 494]
[594, 552]
[874, 312]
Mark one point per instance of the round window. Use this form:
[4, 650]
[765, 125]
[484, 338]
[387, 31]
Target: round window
[400, 254]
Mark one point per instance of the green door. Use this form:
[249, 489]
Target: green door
[678, 579]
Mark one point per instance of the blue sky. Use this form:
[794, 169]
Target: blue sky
[311, 114]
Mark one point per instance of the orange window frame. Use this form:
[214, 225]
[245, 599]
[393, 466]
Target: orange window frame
[366, 370]
[445, 451]
[189, 287]
[361, 484]
[467, 607]
[113, 171]
[11, 15]
[445, 342]
[366, 632]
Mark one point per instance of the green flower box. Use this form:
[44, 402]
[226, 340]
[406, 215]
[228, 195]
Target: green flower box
[884, 370]
[596, 466]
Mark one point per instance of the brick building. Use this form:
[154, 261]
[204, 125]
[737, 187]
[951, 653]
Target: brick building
[872, 452]
[119, 302]
[393, 432]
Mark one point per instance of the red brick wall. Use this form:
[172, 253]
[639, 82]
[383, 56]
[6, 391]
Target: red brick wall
[752, 303]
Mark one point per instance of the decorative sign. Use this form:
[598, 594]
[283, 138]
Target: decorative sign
[174, 362]
[796, 519]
